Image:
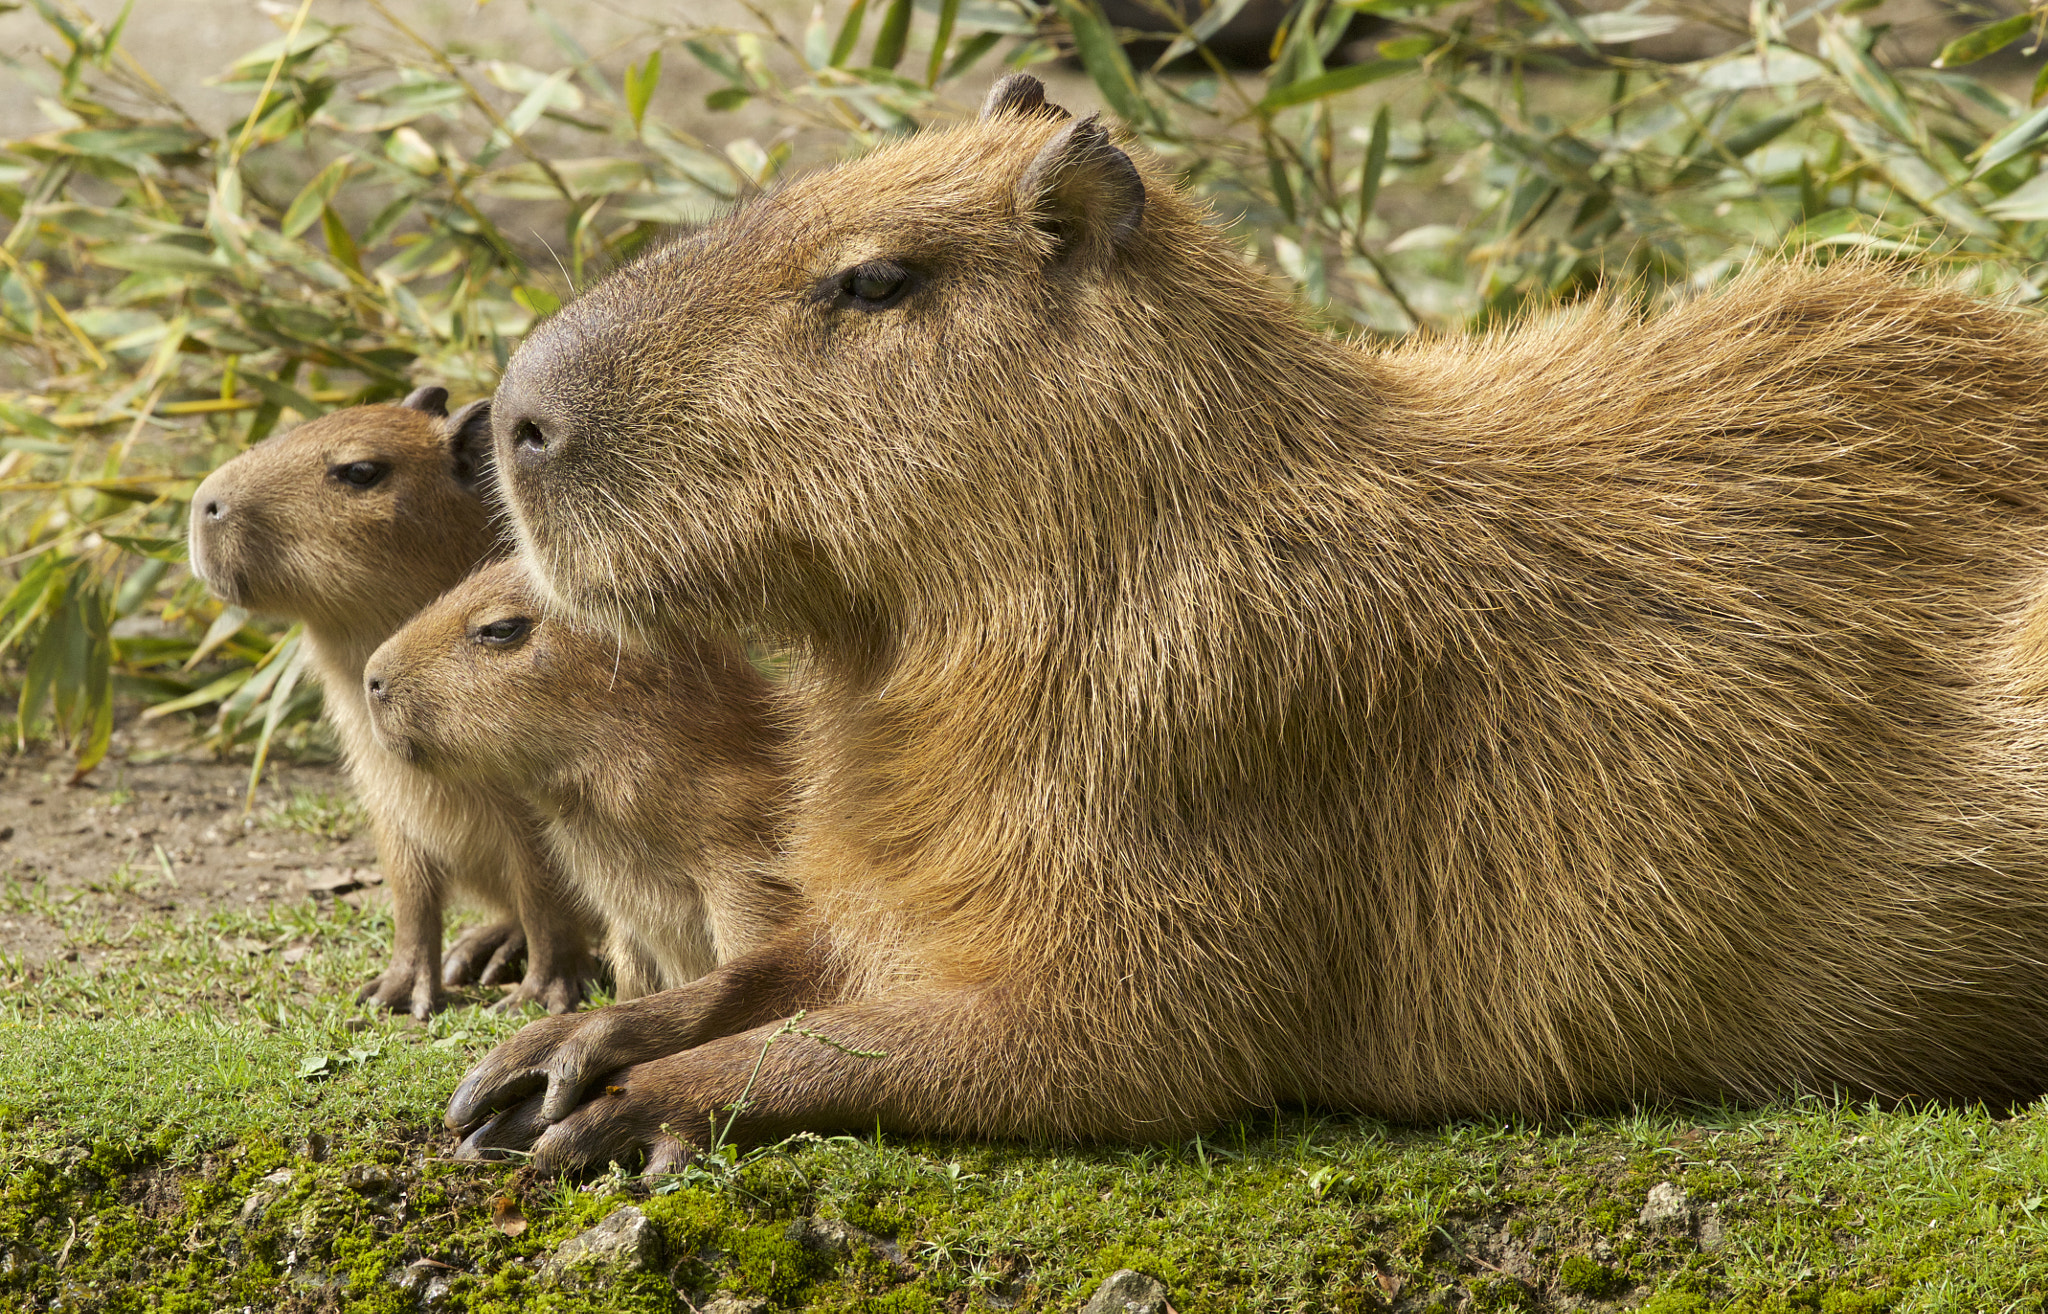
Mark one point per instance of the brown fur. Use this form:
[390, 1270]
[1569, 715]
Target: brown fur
[1199, 713]
[657, 775]
[279, 530]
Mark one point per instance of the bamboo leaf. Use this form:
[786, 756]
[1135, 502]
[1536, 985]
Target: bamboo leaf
[1989, 39]
[1335, 81]
[293, 662]
[849, 33]
[641, 80]
[949, 14]
[1104, 60]
[891, 37]
[339, 244]
[1370, 169]
[1569, 25]
[57, 441]
[1871, 84]
[1213, 20]
[2013, 141]
[211, 693]
[314, 196]
[225, 626]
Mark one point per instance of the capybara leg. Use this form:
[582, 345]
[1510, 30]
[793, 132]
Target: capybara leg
[931, 1064]
[559, 965]
[485, 955]
[634, 973]
[412, 983]
[554, 1060]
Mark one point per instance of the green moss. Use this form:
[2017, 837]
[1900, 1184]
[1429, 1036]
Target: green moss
[1675, 1302]
[1581, 1275]
[763, 1261]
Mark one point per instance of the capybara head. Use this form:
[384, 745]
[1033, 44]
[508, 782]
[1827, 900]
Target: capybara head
[353, 521]
[769, 423]
[483, 683]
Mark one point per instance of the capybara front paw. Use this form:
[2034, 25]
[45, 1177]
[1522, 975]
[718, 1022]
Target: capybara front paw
[485, 955]
[628, 1121]
[510, 1132]
[555, 1057]
[405, 988]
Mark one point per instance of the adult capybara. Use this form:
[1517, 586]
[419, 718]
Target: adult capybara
[1199, 713]
[350, 523]
[656, 774]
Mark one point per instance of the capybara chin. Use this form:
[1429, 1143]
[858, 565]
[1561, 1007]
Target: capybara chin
[657, 777]
[350, 523]
[1199, 713]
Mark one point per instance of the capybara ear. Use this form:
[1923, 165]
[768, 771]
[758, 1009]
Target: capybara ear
[1021, 96]
[432, 400]
[469, 442]
[1083, 190]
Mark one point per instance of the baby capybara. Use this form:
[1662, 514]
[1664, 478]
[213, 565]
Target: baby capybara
[656, 774]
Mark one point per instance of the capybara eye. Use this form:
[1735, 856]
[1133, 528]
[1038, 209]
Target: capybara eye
[360, 474]
[502, 633]
[874, 286]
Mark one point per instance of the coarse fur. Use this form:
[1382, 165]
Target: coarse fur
[282, 529]
[1197, 713]
[658, 774]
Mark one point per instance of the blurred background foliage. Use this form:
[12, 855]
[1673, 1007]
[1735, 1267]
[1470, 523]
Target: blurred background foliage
[381, 211]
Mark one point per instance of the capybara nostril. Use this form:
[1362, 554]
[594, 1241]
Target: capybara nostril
[214, 509]
[532, 443]
[375, 685]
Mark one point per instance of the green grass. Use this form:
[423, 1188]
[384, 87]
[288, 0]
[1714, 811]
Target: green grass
[325, 814]
[148, 1098]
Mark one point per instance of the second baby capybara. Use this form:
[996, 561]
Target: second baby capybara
[350, 523]
[1197, 712]
[656, 775]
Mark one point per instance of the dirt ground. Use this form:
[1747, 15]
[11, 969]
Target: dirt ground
[160, 828]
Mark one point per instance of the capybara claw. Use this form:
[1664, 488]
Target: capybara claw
[484, 955]
[506, 1133]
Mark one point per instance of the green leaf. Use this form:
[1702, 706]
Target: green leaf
[157, 549]
[1104, 59]
[1335, 81]
[641, 80]
[535, 103]
[212, 693]
[1989, 39]
[1407, 47]
[971, 52]
[727, 98]
[56, 441]
[537, 299]
[1872, 84]
[891, 37]
[1569, 25]
[286, 396]
[339, 244]
[949, 14]
[849, 34]
[1213, 20]
[715, 61]
[306, 206]
[156, 258]
[1370, 169]
[2014, 140]
[293, 659]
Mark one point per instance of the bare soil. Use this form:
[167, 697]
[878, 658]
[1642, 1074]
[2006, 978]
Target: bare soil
[158, 828]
